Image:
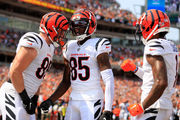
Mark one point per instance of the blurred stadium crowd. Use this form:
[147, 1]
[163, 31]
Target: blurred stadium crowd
[108, 13]
[172, 8]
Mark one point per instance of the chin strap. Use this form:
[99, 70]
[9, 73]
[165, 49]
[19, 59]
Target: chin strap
[81, 37]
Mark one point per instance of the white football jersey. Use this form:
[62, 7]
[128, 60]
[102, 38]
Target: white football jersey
[169, 52]
[85, 73]
[35, 72]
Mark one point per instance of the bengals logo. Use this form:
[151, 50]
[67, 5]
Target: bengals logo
[76, 18]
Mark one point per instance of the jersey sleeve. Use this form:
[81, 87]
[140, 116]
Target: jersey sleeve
[103, 46]
[155, 48]
[31, 40]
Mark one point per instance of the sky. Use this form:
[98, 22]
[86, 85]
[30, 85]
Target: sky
[135, 7]
[132, 5]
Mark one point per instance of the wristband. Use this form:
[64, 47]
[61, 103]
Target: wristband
[135, 69]
[24, 96]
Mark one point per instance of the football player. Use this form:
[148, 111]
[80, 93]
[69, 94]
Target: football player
[33, 58]
[86, 61]
[160, 67]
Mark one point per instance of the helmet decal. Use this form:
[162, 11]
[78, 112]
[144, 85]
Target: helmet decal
[55, 25]
[152, 22]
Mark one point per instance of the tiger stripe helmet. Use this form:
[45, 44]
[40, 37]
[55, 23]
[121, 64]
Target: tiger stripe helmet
[55, 25]
[83, 23]
[151, 23]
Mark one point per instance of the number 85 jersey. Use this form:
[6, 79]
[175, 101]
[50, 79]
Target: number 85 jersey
[85, 74]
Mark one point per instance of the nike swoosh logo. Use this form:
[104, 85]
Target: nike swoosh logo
[151, 49]
[29, 43]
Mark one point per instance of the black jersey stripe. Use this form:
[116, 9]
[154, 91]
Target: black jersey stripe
[97, 113]
[151, 118]
[157, 42]
[97, 103]
[8, 101]
[10, 112]
[28, 38]
[157, 46]
[98, 42]
[39, 39]
[11, 96]
[152, 110]
[108, 42]
[7, 117]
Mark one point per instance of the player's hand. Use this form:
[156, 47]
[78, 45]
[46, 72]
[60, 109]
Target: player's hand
[128, 65]
[28, 104]
[45, 105]
[107, 115]
[34, 99]
[135, 109]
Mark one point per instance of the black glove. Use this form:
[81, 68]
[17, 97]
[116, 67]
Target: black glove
[107, 115]
[28, 105]
[34, 99]
[45, 105]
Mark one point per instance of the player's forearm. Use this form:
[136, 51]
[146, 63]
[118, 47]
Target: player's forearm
[139, 72]
[62, 88]
[108, 79]
[17, 80]
[109, 95]
[155, 93]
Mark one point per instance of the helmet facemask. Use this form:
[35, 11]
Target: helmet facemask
[60, 38]
[80, 28]
[83, 24]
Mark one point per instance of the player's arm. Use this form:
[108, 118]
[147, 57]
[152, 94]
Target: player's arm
[160, 79]
[22, 60]
[128, 65]
[64, 85]
[160, 83]
[108, 78]
[61, 89]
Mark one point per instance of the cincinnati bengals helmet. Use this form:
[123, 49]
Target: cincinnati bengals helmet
[55, 25]
[151, 23]
[83, 24]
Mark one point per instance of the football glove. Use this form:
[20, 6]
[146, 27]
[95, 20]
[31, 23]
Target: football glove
[135, 109]
[35, 99]
[28, 104]
[107, 115]
[128, 65]
[45, 105]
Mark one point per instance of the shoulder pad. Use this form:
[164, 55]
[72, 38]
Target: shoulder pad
[155, 47]
[102, 41]
[31, 39]
[103, 45]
